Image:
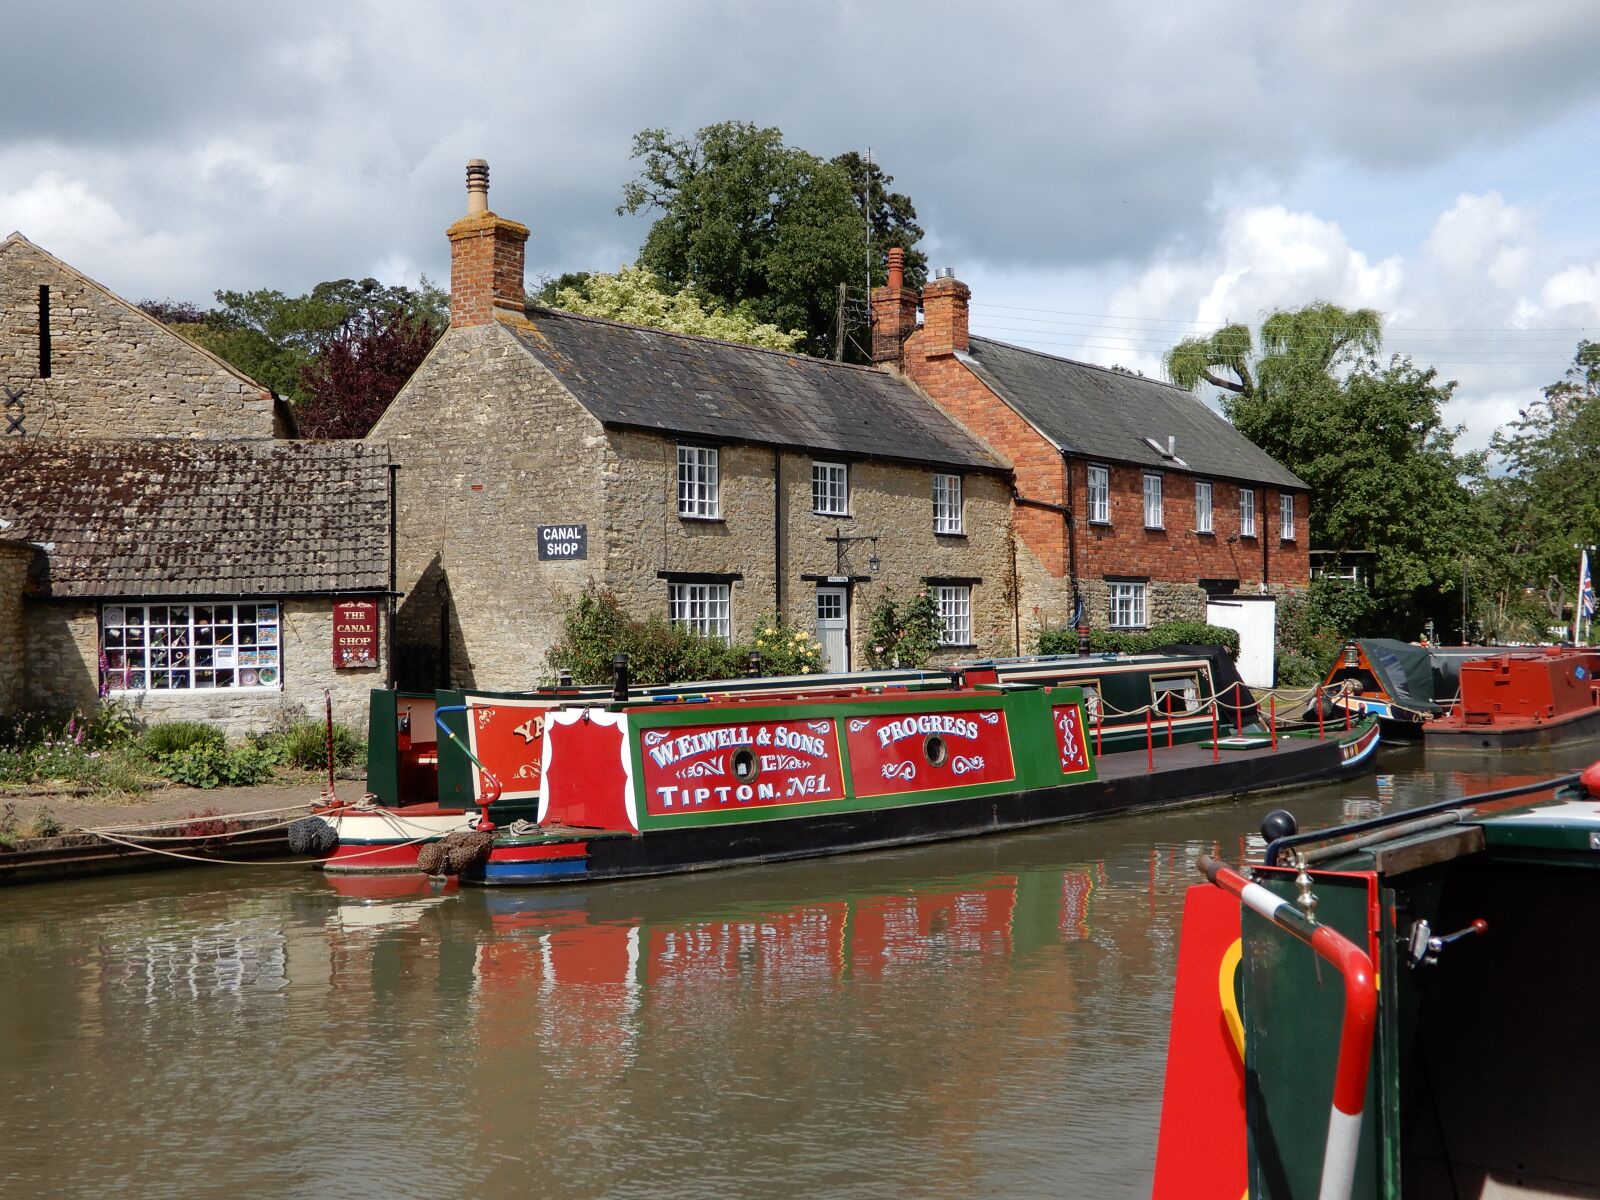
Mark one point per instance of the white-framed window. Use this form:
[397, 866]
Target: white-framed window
[830, 489]
[1202, 506]
[1286, 518]
[947, 504]
[954, 602]
[1152, 501]
[1247, 512]
[697, 482]
[1100, 495]
[1127, 606]
[700, 606]
[192, 645]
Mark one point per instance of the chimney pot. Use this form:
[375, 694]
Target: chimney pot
[477, 187]
[1172, 446]
[897, 268]
[947, 272]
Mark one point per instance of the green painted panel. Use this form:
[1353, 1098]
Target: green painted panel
[1293, 1007]
[383, 749]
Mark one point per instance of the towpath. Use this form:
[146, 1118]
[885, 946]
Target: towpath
[75, 813]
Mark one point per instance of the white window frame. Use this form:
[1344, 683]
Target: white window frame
[954, 602]
[947, 504]
[704, 606]
[1152, 500]
[699, 484]
[249, 639]
[1186, 687]
[830, 489]
[1099, 495]
[1202, 506]
[1286, 518]
[1247, 512]
[1126, 601]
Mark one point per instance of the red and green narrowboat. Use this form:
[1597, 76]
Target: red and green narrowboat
[1398, 1007]
[546, 787]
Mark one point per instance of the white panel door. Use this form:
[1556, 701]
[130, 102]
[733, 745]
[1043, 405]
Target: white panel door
[833, 628]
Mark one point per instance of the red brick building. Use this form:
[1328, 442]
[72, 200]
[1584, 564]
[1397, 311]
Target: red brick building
[1133, 497]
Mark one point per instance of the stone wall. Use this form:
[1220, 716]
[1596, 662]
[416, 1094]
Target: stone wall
[112, 371]
[63, 638]
[889, 501]
[15, 560]
[489, 448]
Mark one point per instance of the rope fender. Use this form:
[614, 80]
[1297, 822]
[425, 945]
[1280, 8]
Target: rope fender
[456, 852]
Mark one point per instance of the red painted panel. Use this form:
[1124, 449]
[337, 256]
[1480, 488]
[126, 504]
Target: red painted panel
[585, 779]
[355, 634]
[508, 738]
[1072, 745]
[691, 768]
[890, 754]
[1201, 1152]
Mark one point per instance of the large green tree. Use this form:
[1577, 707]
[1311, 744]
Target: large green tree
[1545, 500]
[1369, 438]
[638, 297]
[766, 228]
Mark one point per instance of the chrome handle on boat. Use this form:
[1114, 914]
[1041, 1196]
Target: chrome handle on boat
[1426, 946]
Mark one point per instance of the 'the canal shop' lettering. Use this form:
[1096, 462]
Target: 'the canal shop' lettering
[896, 731]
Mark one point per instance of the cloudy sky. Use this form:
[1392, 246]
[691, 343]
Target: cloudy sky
[1106, 177]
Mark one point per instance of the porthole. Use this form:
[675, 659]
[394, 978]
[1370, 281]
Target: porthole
[745, 766]
[934, 750]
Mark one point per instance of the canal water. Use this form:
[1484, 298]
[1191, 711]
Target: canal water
[985, 1018]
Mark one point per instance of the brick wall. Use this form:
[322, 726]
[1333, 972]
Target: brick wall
[15, 560]
[64, 641]
[1174, 558]
[113, 372]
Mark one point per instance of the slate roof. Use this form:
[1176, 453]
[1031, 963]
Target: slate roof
[679, 384]
[1093, 412]
[190, 518]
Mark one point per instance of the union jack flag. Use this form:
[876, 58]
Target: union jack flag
[1586, 599]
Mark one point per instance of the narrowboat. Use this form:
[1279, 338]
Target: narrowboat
[553, 787]
[1403, 685]
[1529, 700]
[1292, 1073]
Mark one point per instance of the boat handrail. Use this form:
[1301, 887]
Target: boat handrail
[1278, 845]
[1355, 1029]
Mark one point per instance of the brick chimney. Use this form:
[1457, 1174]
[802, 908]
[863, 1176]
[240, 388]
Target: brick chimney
[944, 314]
[894, 311]
[486, 257]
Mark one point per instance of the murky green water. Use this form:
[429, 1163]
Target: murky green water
[980, 1019]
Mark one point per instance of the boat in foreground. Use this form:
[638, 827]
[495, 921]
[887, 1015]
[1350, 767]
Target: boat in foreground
[1292, 1073]
[562, 787]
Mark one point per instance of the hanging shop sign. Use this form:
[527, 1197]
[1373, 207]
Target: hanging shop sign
[563, 542]
[355, 633]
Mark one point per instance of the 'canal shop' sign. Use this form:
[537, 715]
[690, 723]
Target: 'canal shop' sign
[355, 634]
[561, 543]
[711, 767]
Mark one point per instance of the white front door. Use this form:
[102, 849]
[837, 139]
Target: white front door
[833, 628]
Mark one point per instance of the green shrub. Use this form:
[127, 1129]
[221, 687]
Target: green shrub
[1064, 639]
[595, 630]
[44, 824]
[304, 745]
[785, 648]
[903, 632]
[175, 737]
[207, 766]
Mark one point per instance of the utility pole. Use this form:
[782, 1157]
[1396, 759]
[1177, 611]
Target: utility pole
[1463, 599]
[838, 320]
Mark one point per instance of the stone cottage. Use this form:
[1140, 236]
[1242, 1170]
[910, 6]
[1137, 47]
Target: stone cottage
[213, 580]
[539, 452]
[1133, 498]
[159, 541]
